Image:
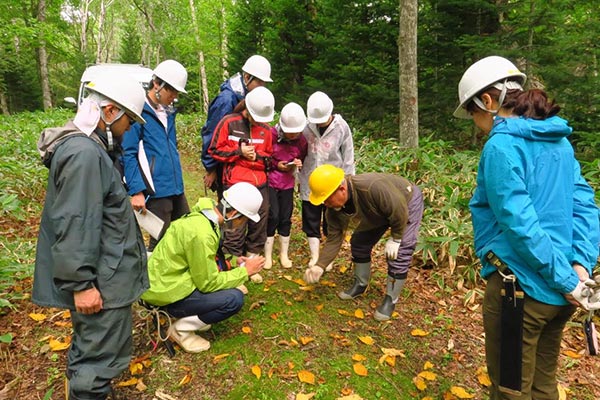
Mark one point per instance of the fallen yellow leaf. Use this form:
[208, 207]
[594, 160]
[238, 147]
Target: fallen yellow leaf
[460, 392]
[419, 383]
[246, 329]
[299, 282]
[358, 357]
[343, 312]
[37, 317]
[306, 377]
[56, 345]
[319, 307]
[256, 371]
[483, 377]
[427, 398]
[360, 369]
[220, 357]
[347, 391]
[307, 288]
[302, 396]
[343, 268]
[419, 332]
[306, 340]
[390, 360]
[351, 397]
[562, 392]
[393, 352]
[359, 314]
[427, 375]
[572, 354]
[129, 382]
[135, 368]
[185, 380]
[427, 365]
[366, 340]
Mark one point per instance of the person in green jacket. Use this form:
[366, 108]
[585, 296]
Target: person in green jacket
[90, 255]
[190, 277]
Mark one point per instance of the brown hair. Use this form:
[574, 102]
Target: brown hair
[532, 103]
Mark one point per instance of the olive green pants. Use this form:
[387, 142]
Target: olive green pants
[100, 351]
[542, 333]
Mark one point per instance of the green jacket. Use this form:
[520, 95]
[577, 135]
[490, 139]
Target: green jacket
[376, 200]
[185, 259]
[88, 233]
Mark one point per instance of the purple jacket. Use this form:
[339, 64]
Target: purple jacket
[284, 150]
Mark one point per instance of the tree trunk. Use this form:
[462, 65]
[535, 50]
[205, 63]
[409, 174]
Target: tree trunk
[84, 10]
[224, 43]
[201, 65]
[42, 56]
[100, 28]
[407, 51]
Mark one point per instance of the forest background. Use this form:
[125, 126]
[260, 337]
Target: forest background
[350, 50]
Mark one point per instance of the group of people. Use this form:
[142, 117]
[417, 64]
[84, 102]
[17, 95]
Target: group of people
[535, 220]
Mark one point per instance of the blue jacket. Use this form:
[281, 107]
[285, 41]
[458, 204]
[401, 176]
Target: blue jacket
[162, 154]
[232, 92]
[533, 208]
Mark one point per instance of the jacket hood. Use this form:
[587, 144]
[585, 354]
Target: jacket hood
[51, 137]
[552, 129]
[236, 85]
[203, 203]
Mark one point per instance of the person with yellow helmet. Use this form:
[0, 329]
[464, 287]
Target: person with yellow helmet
[90, 256]
[535, 225]
[373, 203]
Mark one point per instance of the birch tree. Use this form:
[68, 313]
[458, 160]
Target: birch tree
[407, 45]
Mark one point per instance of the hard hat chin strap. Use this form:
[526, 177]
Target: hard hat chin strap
[503, 87]
[226, 207]
[109, 135]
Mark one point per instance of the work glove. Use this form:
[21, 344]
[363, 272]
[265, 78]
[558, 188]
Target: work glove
[583, 293]
[391, 248]
[313, 274]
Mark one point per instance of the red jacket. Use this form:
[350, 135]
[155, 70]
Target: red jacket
[231, 131]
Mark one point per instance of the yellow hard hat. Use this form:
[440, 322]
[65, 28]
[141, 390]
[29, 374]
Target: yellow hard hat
[323, 181]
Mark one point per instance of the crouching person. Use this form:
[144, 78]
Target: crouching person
[191, 279]
[374, 202]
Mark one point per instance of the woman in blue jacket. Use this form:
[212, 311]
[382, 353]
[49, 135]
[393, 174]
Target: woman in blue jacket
[535, 225]
[160, 188]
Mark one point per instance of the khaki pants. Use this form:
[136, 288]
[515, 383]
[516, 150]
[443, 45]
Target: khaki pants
[542, 333]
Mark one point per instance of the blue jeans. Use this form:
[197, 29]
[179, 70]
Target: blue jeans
[209, 307]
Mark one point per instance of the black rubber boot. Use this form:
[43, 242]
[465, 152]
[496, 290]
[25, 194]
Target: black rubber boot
[386, 308]
[362, 275]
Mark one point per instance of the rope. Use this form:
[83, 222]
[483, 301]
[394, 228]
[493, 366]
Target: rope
[152, 313]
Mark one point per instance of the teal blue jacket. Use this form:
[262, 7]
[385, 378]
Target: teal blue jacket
[533, 208]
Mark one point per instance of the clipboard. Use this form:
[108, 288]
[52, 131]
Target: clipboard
[150, 223]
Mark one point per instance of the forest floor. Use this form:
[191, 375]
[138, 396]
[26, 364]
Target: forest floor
[432, 306]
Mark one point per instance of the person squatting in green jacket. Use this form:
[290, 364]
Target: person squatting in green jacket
[90, 255]
[189, 275]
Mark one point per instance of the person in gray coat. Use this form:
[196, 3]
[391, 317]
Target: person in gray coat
[90, 255]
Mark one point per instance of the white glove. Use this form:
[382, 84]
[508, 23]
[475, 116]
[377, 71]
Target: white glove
[391, 248]
[313, 274]
[581, 294]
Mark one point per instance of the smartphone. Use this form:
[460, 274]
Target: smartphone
[591, 338]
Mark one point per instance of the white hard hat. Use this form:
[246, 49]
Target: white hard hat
[245, 198]
[127, 93]
[292, 118]
[483, 74]
[261, 104]
[319, 108]
[172, 73]
[259, 67]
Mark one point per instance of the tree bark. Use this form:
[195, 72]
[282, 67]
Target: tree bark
[407, 51]
[100, 28]
[201, 64]
[224, 43]
[42, 56]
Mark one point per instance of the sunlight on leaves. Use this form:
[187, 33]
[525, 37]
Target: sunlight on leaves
[419, 332]
[358, 357]
[129, 382]
[460, 392]
[256, 371]
[306, 377]
[366, 340]
[360, 369]
[37, 317]
[359, 314]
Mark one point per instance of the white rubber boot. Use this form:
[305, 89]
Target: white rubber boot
[284, 245]
[182, 333]
[269, 252]
[313, 245]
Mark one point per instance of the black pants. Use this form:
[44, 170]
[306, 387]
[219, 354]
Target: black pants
[312, 218]
[168, 209]
[281, 205]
